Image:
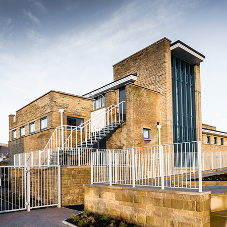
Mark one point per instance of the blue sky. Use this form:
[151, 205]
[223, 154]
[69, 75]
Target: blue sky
[71, 45]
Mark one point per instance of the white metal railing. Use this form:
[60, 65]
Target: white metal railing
[28, 187]
[68, 137]
[74, 157]
[23, 159]
[214, 160]
[175, 165]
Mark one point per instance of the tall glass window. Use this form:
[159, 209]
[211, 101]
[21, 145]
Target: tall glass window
[184, 115]
[183, 96]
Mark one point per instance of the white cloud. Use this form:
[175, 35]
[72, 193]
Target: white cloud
[34, 19]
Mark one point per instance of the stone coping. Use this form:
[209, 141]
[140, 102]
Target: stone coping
[147, 188]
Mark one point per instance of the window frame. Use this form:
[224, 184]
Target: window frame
[42, 119]
[30, 124]
[14, 131]
[208, 139]
[21, 128]
[222, 141]
[146, 130]
[215, 139]
[75, 118]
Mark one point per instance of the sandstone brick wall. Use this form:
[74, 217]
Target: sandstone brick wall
[148, 207]
[153, 67]
[72, 180]
[142, 111]
[48, 106]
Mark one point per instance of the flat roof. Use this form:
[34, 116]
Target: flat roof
[111, 86]
[186, 53]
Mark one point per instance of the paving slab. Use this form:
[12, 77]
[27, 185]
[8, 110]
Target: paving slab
[47, 217]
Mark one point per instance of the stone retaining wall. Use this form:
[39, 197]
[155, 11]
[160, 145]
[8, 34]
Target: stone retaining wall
[148, 207]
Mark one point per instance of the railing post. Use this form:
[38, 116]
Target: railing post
[92, 174]
[48, 157]
[199, 166]
[161, 165]
[58, 156]
[32, 159]
[28, 189]
[110, 169]
[133, 168]
[78, 151]
[212, 160]
[203, 161]
[220, 159]
[39, 158]
[14, 161]
[25, 161]
[59, 186]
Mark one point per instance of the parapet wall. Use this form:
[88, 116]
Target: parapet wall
[147, 207]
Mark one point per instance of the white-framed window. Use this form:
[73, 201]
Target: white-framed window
[43, 123]
[14, 135]
[146, 133]
[22, 131]
[99, 102]
[32, 127]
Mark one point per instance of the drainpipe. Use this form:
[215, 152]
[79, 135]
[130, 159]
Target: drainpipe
[62, 128]
[159, 133]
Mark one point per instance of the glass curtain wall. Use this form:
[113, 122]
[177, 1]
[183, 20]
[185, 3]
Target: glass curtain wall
[184, 114]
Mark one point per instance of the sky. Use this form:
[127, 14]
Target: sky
[71, 46]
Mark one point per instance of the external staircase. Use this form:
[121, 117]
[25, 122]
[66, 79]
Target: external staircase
[69, 141]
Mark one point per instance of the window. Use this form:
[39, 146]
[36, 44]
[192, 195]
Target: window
[74, 121]
[32, 127]
[43, 123]
[22, 131]
[208, 139]
[146, 133]
[215, 140]
[99, 102]
[221, 141]
[14, 134]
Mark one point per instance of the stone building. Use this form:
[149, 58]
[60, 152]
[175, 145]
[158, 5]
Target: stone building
[159, 85]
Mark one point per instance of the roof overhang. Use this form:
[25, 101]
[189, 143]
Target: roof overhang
[111, 86]
[186, 53]
[213, 132]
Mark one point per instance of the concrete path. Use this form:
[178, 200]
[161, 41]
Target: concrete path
[48, 217]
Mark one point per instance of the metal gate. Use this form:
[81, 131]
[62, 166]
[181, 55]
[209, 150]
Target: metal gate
[28, 187]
